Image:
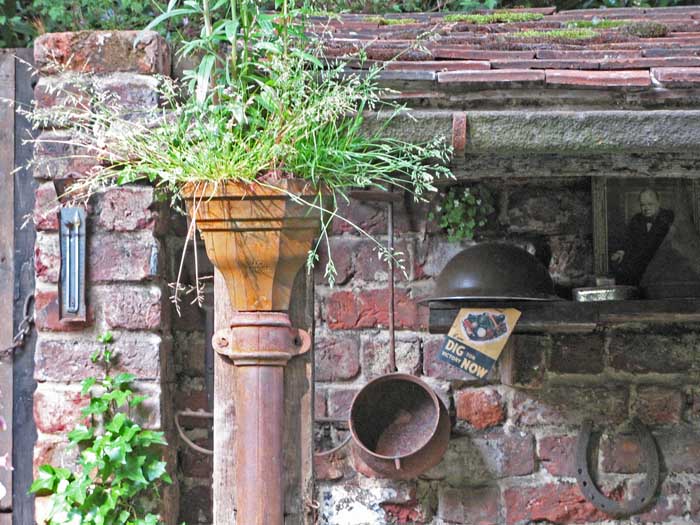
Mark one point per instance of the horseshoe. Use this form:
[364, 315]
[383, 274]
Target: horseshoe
[598, 499]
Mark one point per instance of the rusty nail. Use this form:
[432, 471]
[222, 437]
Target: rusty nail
[220, 341]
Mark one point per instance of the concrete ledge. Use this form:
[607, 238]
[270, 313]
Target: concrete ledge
[553, 132]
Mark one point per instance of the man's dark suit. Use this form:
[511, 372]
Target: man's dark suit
[641, 245]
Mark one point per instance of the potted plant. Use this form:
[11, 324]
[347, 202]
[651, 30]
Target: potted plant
[264, 118]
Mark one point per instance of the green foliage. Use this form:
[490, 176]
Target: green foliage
[646, 29]
[120, 466]
[261, 101]
[464, 211]
[557, 34]
[494, 18]
[69, 15]
[596, 23]
[391, 21]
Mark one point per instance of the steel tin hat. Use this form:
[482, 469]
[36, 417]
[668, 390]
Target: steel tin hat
[494, 270]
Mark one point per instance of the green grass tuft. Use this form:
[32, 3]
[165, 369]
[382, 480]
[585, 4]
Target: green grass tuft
[596, 23]
[390, 21]
[495, 18]
[557, 34]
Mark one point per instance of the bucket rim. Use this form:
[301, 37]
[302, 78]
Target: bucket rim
[437, 403]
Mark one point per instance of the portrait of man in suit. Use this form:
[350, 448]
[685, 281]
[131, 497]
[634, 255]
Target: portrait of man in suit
[644, 234]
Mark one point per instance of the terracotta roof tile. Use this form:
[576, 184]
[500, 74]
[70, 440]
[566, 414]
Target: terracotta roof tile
[434, 51]
[494, 76]
[598, 78]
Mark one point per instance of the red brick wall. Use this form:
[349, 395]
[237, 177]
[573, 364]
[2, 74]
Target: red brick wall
[510, 459]
[510, 455]
[127, 288]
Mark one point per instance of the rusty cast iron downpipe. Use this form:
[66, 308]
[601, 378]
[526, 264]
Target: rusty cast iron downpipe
[260, 344]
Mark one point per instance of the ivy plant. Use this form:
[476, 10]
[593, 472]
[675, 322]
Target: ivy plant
[120, 466]
[463, 211]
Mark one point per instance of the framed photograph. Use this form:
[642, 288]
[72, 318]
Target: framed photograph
[647, 231]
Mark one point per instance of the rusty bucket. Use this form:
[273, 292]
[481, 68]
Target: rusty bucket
[400, 428]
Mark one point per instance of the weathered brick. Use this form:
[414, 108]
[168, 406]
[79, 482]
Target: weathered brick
[639, 353]
[680, 448]
[549, 209]
[493, 76]
[57, 408]
[570, 405]
[469, 505]
[478, 460]
[342, 250]
[320, 403]
[586, 54]
[410, 512]
[545, 64]
[368, 309]
[66, 90]
[46, 208]
[68, 359]
[433, 255]
[454, 52]
[650, 62]
[371, 264]
[527, 360]
[577, 354]
[555, 503]
[339, 402]
[127, 208]
[122, 257]
[46, 314]
[199, 504]
[695, 500]
[194, 464]
[375, 354]
[53, 450]
[134, 307]
[621, 453]
[47, 257]
[332, 467]
[677, 76]
[693, 409]
[102, 52]
[598, 78]
[57, 157]
[670, 502]
[438, 65]
[337, 356]
[657, 405]
[557, 455]
[189, 349]
[481, 408]
[130, 91]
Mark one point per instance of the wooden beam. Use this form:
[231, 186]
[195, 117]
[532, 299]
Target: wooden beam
[7, 165]
[578, 317]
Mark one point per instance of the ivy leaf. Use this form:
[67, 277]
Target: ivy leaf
[155, 470]
[123, 379]
[81, 433]
[87, 384]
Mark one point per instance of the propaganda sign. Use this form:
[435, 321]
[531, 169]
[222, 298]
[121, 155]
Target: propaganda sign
[477, 338]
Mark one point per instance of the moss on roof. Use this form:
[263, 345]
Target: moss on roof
[495, 18]
[597, 23]
[391, 21]
[556, 34]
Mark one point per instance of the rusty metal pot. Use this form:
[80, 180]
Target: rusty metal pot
[400, 428]
[494, 270]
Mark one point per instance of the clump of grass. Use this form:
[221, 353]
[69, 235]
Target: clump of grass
[646, 29]
[596, 23]
[499, 17]
[391, 21]
[557, 34]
